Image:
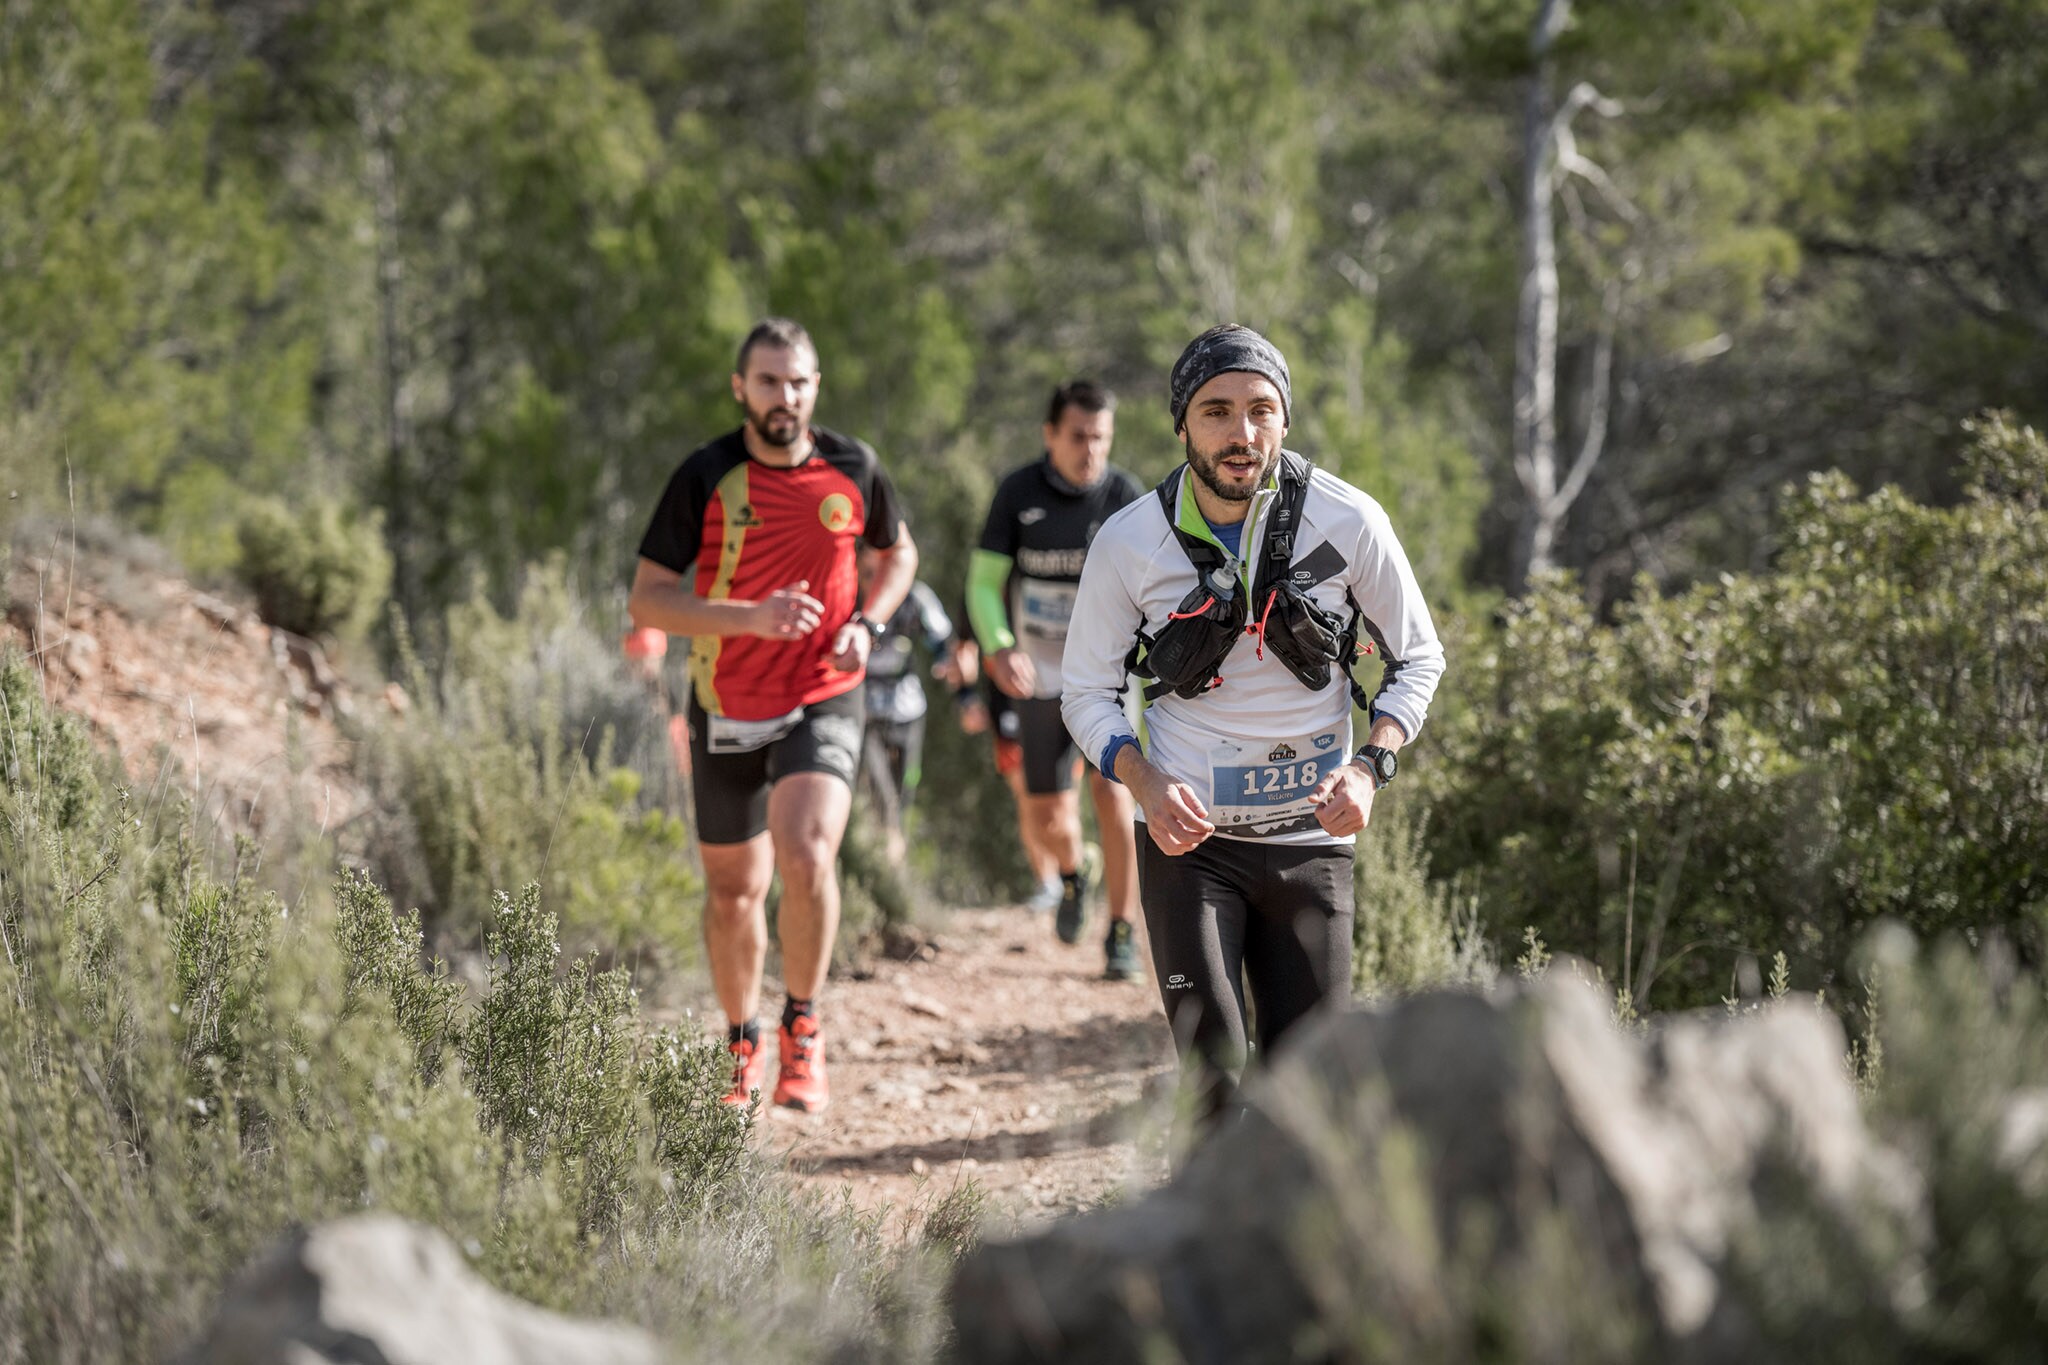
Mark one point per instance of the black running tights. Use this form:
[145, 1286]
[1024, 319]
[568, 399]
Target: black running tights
[1232, 912]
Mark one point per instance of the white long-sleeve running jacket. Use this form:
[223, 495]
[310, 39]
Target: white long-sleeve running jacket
[1254, 746]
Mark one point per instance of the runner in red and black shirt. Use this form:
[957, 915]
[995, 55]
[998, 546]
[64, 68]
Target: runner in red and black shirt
[751, 553]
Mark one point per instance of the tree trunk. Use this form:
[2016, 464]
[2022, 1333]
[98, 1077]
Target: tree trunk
[1535, 423]
[378, 118]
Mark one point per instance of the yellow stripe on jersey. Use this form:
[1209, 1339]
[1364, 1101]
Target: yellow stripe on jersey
[734, 501]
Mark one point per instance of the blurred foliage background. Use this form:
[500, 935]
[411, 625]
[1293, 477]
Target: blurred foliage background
[384, 305]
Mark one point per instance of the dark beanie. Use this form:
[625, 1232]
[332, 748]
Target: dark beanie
[1220, 350]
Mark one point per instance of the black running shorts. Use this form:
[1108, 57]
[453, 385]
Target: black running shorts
[731, 789]
[1235, 911]
[1049, 751]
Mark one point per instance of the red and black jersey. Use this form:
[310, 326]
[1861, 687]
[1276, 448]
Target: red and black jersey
[751, 528]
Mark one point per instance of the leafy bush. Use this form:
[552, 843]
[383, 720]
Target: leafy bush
[1772, 761]
[1409, 933]
[320, 571]
[504, 772]
[186, 1071]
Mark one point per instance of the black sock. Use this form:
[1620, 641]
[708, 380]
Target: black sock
[794, 1009]
[751, 1031]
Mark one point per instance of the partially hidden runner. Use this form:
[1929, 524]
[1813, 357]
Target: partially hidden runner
[1008, 749]
[645, 649]
[1239, 594]
[893, 748]
[751, 553]
[1020, 593]
[987, 711]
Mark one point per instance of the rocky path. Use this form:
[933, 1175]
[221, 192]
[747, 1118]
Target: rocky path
[997, 1055]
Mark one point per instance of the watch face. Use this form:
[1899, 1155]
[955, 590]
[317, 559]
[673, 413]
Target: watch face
[1387, 766]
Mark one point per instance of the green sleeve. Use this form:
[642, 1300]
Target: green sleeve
[988, 573]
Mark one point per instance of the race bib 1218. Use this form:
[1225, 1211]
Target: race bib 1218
[1264, 786]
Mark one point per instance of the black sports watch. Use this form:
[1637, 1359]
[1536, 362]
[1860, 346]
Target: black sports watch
[1381, 763]
[876, 630]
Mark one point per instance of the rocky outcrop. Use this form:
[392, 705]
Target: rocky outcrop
[378, 1290]
[197, 694]
[1403, 1173]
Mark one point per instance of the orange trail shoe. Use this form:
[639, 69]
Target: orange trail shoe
[749, 1072]
[801, 1082]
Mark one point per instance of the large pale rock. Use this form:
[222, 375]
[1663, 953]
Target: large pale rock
[1521, 1113]
[378, 1290]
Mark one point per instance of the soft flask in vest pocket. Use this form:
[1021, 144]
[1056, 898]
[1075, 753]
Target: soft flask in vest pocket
[1307, 638]
[1189, 649]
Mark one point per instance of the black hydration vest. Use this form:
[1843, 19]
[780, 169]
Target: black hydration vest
[1185, 657]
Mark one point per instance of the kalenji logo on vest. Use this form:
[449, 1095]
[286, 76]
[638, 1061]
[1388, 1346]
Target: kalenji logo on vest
[836, 512]
[745, 519]
[1282, 753]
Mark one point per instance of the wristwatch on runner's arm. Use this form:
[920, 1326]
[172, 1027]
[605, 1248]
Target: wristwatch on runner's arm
[875, 629]
[1381, 763]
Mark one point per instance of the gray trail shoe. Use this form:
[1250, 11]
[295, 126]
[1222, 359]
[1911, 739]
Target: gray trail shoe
[1120, 953]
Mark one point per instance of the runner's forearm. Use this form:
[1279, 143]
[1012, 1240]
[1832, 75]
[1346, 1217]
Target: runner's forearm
[988, 574]
[672, 606]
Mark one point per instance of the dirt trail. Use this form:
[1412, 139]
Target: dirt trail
[999, 1054]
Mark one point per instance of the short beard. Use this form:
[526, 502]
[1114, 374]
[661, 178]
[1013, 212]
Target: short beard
[1205, 467]
[759, 423]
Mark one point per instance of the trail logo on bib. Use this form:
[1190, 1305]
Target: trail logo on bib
[836, 512]
[1282, 753]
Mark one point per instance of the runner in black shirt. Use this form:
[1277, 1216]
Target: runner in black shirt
[1020, 592]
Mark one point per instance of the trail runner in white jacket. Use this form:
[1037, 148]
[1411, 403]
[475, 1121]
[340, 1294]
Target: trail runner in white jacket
[1247, 785]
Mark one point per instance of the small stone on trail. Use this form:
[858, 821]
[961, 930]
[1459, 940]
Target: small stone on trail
[925, 1005]
[919, 1166]
[961, 1052]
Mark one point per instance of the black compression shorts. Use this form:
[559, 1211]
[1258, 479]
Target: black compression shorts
[1232, 911]
[1049, 751]
[731, 789]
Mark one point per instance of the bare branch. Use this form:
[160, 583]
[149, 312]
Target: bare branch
[1590, 171]
[1941, 268]
[1584, 96]
[1599, 389]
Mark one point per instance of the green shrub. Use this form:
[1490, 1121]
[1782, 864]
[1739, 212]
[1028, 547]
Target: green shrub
[534, 757]
[1409, 933]
[319, 571]
[1771, 761]
[186, 1071]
